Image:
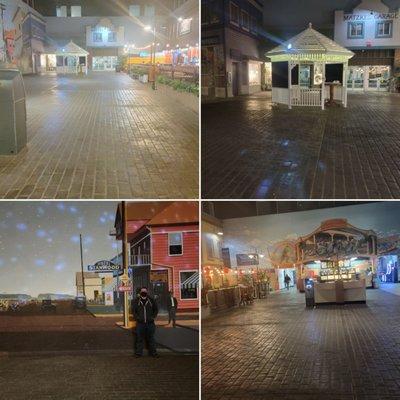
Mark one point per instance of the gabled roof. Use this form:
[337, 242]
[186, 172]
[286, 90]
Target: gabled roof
[310, 41]
[179, 212]
[71, 49]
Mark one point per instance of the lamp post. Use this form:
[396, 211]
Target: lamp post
[153, 50]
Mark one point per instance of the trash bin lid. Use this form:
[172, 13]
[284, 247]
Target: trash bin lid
[9, 74]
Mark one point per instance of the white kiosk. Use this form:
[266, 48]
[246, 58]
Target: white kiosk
[308, 70]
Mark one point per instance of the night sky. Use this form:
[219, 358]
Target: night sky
[39, 243]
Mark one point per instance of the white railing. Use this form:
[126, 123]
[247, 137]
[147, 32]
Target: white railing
[306, 97]
[140, 259]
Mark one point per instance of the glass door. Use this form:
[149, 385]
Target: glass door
[378, 78]
[355, 78]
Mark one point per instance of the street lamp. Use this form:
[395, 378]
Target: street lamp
[148, 28]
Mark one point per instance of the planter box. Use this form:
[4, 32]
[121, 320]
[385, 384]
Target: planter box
[187, 99]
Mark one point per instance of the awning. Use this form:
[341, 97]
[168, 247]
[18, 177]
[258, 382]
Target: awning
[191, 282]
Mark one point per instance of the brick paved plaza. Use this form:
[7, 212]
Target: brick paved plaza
[251, 149]
[82, 357]
[278, 349]
[102, 136]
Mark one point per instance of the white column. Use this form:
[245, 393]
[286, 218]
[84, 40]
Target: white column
[323, 87]
[290, 84]
[365, 77]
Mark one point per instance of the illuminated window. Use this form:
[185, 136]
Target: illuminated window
[112, 37]
[245, 21]
[234, 14]
[61, 11]
[134, 11]
[97, 37]
[175, 244]
[355, 30]
[76, 11]
[254, 74]
[384, 29]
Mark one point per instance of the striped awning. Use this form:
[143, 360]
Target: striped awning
[192, 281]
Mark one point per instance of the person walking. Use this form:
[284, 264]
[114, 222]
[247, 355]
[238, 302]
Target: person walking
[172, 308]
[145, 310]
[287, 281]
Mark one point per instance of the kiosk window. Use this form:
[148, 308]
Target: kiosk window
[175, 243]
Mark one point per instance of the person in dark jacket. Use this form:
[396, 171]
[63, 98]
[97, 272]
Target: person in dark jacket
[145, 310]
[172, 305]
[287, 281]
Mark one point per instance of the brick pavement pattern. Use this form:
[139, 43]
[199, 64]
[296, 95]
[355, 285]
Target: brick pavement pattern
[278, 349]
[100, 377]
[253, 149]
[102, 136]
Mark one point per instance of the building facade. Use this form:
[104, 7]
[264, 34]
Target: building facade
[163, 250]
[372, 31]
[93, 286]
[231, 61]
[22, 35]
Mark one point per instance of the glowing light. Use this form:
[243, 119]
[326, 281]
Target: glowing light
[74, 239]
[289, 46]
[40, 262]
[220, 233]
[22, 227]
[41, 233]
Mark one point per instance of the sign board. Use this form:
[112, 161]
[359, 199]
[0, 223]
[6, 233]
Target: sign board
[371, 16]
[226, 257]
[246, 259]
[124, 288]
[104, 266]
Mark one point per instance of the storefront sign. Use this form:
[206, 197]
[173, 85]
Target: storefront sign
[123, 288]
[104, 266]
[247, 259]
[370, 17]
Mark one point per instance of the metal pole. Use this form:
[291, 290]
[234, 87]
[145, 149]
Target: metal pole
[154, 60]
[83, 276]
[125, 262]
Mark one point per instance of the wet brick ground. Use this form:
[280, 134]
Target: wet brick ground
[251, 149]
[102, 136]
[278, 349]
[100, 377]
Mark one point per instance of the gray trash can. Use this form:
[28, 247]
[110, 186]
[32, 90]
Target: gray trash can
[12, 112]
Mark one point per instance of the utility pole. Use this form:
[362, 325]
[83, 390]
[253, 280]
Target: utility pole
[125, 262]
[83, 277]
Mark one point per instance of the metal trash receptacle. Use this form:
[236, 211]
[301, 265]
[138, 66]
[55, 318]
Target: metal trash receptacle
[309, 292]
[13, 136]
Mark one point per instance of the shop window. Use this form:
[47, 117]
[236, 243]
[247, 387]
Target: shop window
[61, 11]
[149, 11]
[76, 11]
[355, 30]
[134, 10]
[254, 74]
[112, 37]
[60, 61]
[234, 14]
[97, 37]
[189, 281]
[175, 244]
[384, 29]
[212, 247]
[245, 21]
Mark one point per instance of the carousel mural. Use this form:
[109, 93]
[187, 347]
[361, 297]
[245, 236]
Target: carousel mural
[22, 36]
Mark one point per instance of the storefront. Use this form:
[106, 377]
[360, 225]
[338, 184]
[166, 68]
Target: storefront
[372, 31]
[105, 63]
[369, 77]
[340, 259]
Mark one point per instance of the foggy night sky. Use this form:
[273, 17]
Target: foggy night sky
[39, 243]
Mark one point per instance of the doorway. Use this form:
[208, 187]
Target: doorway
[160, 291]
[235, 79]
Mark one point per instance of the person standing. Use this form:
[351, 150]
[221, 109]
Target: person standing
[145, 310]
[172, 308]
[287, 281]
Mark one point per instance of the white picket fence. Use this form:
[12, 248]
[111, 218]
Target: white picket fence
[305, 97]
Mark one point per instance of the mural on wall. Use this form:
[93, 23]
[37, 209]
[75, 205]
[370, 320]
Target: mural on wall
[22, 36]
[282, 254]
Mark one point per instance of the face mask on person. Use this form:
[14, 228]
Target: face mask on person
[143, 294]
